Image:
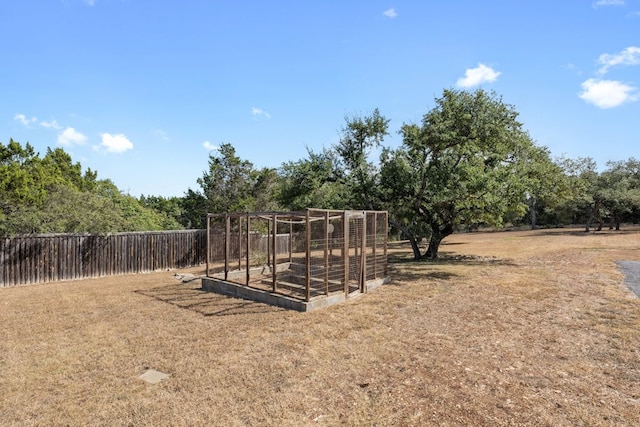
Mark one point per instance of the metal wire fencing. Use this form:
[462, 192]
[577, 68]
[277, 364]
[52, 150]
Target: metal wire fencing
[303, 255]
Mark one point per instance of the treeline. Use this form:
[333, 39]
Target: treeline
[468, 163]
[51, 194]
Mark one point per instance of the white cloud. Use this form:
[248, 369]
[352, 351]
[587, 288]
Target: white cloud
[24, 119]
[607, 93]
[162, 134]
[608, 3]
[53, 124]
[209, 146]
[116, 143]
[477, 76]
[260, 112]
[70, 136]
[628, 56]
[390, 13]
[90, 2]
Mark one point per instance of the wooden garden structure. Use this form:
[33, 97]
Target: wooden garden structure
[279, 257]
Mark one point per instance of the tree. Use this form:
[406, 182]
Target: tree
[616, 192]
[549, 188]
[467, 163]
[194, 209]
[265, 188]
[359, 136]
[317, 182]
[52, 195]
[168, 207]
[228, 184]
[20, 181]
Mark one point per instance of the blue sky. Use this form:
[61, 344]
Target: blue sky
[142, 90]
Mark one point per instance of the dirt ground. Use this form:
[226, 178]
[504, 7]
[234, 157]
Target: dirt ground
[527, 328]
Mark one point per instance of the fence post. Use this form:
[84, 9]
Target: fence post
[345, 251]
[248, 274]
[326, 252]
[308, 258]
[227, 244]
[363, 255]
[274, 250]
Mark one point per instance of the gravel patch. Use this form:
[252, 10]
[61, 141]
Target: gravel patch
[631, 270]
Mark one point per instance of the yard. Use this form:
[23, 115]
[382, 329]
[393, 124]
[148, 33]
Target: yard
[508, 328]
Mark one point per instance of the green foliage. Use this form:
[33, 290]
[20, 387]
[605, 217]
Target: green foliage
[617, 191]
[231, 185]
[317, 181]
[52, 195]
[359, 137]
[194, 210]
[228, 184]
[569, 194]
[170, 208]
[265, 187]
[469, 162]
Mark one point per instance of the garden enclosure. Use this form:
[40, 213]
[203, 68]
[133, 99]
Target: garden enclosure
[298, 255]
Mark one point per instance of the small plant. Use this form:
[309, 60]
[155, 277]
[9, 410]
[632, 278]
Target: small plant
[258, 259]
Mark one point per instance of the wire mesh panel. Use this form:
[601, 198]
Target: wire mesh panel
[336, 267]
[290, 265]
[302, 255]
[376, 249]
[356, 254]
[216, 238]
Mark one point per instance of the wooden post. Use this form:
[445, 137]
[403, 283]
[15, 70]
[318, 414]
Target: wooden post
[227, 244]
[308, 258]
[326, 252]
[239, 242]
[375, 245]
[208, 243]
[274, 248]
[363, 260]
[290, 240]
[248, 273]
[386, 237]
[268, 243]
[345, 251]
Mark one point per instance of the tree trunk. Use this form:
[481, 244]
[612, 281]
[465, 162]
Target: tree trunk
[409, 236]
[595, 214]
[437, 236]
[532, 213]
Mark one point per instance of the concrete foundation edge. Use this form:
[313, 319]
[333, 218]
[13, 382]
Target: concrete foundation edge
[239, 291]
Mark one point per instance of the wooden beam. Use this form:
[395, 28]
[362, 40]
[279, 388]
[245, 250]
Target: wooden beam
[308, 258]
[227, 244]
[273, 251]
[326, 253]
[345, 251]
[208, 243]
[363, 255]
[248, 274]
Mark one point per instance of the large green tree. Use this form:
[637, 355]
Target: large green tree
[317, 182]
[615, 193]
[228, 184]
[549, 188]
[467, 163]
[51, 194]
[360, 136]
[232, 185]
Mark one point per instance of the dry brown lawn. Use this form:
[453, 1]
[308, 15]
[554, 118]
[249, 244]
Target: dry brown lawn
[508, 328]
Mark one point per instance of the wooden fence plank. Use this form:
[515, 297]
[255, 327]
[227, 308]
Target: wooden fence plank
[48, 258]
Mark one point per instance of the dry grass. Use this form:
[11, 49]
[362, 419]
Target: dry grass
[509, 328]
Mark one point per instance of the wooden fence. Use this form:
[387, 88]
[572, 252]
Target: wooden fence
[49, 258]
